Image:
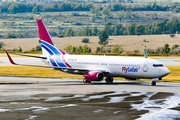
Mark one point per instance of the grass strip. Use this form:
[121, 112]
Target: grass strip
[174, 75]
[27, 71]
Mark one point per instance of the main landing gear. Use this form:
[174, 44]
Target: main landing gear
[86, 81]
[109, 79]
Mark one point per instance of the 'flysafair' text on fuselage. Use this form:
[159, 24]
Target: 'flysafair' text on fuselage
[130, 69]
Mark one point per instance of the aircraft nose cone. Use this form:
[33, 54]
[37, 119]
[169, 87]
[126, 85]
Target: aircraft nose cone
[166, 71]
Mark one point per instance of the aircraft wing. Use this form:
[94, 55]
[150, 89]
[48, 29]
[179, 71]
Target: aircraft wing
[69, 70]
[31, 56]
[14, 63]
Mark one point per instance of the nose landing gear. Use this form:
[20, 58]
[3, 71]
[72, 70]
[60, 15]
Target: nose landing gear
[153, 83]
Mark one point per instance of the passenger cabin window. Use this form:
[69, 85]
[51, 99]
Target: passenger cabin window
[157, 65]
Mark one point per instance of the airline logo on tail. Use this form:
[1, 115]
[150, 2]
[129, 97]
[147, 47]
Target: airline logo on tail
[56, 56]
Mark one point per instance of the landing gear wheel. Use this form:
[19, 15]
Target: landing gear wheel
[153, 83]
[88, 81]
[109, 79]
[84, 80]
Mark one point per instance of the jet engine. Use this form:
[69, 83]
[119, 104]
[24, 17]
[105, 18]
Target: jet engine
[94, 76]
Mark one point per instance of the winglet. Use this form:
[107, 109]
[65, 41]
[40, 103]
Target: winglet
[9, 57]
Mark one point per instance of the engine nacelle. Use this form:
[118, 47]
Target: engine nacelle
[94, 76]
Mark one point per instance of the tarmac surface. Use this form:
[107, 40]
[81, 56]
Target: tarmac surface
[71, 99]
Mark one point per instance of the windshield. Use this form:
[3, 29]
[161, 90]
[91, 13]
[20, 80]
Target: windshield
[157, 65]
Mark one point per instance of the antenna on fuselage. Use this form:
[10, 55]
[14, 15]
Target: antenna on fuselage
[145, 52]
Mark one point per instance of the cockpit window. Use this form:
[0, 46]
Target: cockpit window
[157, 65]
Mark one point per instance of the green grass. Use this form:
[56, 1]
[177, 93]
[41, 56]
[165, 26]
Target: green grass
[66, 19]
[174, 75]
[26, 71]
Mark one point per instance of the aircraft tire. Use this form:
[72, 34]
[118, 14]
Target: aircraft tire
[112, 79]
[153, 83]
[109, 79]
[84, 80]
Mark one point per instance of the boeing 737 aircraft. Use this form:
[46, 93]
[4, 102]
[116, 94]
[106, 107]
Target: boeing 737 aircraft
[96, 68]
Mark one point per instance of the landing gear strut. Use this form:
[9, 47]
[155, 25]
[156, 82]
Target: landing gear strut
[109, 79]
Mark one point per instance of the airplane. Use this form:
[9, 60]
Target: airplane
[95, 67]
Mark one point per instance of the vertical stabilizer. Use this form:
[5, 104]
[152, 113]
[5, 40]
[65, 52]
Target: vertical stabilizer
[43, 33]
[49, 50]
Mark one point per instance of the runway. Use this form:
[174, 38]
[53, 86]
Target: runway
[75, 86]
[71, 99]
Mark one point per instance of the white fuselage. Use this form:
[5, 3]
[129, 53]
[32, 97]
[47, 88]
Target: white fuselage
[118, 66]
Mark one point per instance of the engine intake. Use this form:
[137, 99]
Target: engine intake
[94, 76]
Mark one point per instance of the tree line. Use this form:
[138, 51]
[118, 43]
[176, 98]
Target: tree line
[118, 50]
[163, 27]
[115, 50]
[16, 7]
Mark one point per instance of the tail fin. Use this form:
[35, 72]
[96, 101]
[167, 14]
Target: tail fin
[47, 44]
[48, 48]
[43, 33]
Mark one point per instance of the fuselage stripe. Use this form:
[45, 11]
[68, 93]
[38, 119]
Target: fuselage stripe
[65, 61]
[55, 55]
[55, 51]
[51, 60]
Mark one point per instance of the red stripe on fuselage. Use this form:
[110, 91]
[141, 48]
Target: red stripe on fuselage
[65, 61]
[63, 52]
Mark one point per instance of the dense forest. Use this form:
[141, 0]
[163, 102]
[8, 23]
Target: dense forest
[97, 12]
[164, 27]
[75, 6]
